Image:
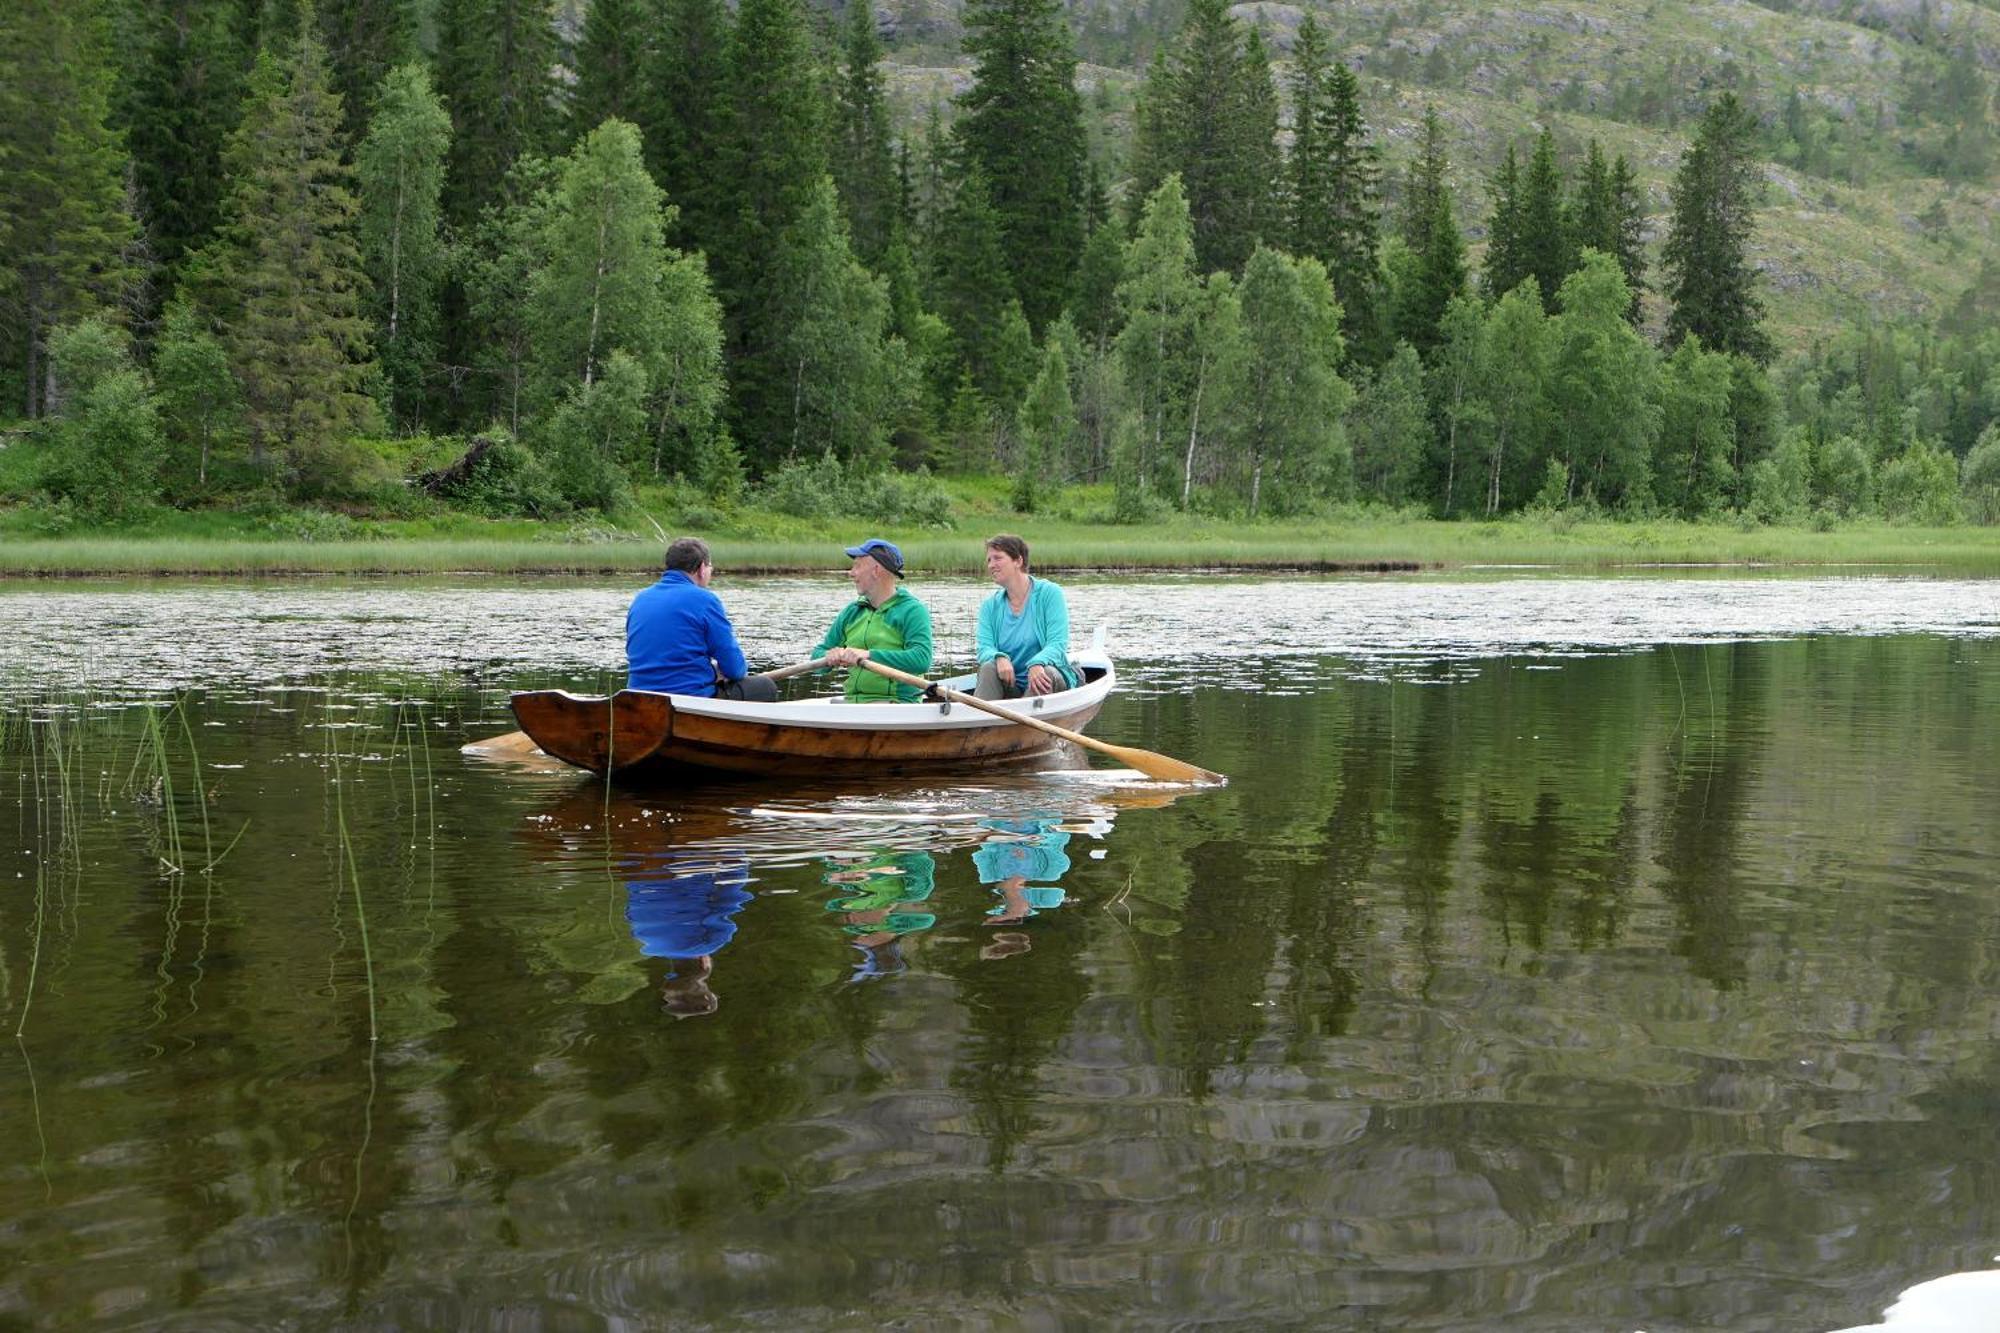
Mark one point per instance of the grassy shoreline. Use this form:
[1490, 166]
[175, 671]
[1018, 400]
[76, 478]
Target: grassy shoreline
[1385, 544]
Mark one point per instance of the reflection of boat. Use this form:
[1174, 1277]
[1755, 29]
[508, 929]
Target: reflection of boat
[796, 825]
[637, 733]
[682, 865]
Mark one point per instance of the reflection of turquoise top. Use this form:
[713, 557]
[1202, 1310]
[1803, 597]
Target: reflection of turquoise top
[1039, 897]
[1039, 636]
[1039, 856]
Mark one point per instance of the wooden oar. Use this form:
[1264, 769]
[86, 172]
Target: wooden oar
[516, 744]
[1164, 767]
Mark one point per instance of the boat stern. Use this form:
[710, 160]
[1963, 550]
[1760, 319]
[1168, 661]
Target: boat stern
[601, 733]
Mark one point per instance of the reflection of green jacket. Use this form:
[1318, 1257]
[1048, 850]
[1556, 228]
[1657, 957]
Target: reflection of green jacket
[896, 634]
[906, 877]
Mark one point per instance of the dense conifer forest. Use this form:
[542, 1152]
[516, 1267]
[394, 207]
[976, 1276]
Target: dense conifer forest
[515, 257]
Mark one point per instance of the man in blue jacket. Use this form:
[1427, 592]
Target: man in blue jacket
[678, 639]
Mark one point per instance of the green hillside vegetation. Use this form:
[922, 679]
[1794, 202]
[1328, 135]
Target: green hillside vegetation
[1878, 197]
[473, 261]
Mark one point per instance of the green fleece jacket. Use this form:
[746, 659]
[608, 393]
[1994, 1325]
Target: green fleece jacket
[896, 634]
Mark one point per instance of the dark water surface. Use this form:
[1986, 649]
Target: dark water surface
[1564, 954]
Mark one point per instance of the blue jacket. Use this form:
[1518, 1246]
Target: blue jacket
[677, 637]
[1046, 622]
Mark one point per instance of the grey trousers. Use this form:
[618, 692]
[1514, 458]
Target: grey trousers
[989, 686]
[749, 689]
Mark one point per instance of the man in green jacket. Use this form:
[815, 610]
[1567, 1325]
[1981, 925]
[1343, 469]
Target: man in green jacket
[883, 624]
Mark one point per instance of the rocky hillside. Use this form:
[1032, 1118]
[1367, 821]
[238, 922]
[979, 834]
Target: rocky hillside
[1882, 116]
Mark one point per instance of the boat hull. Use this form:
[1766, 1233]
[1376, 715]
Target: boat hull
[637, 734]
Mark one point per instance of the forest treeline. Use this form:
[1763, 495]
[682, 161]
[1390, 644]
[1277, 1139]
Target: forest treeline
[258, 249]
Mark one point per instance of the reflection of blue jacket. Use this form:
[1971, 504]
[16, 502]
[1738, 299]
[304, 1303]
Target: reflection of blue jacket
[673, 633]
[687, 915]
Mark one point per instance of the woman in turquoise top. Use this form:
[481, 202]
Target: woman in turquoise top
[1023, 635]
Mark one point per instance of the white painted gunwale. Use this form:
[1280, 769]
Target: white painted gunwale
[837, 714]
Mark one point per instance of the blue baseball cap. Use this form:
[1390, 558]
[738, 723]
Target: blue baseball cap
[885, 553]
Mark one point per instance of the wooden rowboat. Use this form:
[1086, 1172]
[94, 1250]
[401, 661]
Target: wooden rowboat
[638, 733]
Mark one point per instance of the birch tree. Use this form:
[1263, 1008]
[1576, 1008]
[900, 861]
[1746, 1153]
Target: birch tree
[1289, 394]
[401, 168]
[1160, 296]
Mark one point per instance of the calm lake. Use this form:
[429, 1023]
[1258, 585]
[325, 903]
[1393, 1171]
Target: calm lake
[1564, 953]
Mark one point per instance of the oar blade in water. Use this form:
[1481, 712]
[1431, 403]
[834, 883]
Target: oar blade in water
[1164, 767]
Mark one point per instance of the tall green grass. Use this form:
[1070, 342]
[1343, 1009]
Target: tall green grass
[52, 790]
[336, 777]
[1061, 545]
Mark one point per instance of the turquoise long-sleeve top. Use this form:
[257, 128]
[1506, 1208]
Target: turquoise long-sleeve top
[1038, 636]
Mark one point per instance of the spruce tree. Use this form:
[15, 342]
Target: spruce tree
[1605, 215]
[1424, 183]
[684, 96]
[1705, 260]
[1355, 172]
[1262, 164]
[1308, 187]
[1200, 118]
[287, 274]
[1506, 261]
[495, 61]
[178, 110]
[365, 39]
[1044, 426]
[1094, 305]
[1542, 233]
[400, 165]
[772, 155]
[1592, 213]
[1436, 279]
[1629, 239]
[971, 283]
[930, 183]
[66, 231]
[1014, 362]
[863, 167]
[610, 64]
[927, 337]
[1096, 201]
[1021, 126]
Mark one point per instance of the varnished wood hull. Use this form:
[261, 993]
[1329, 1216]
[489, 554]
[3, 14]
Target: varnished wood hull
[637, 735]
